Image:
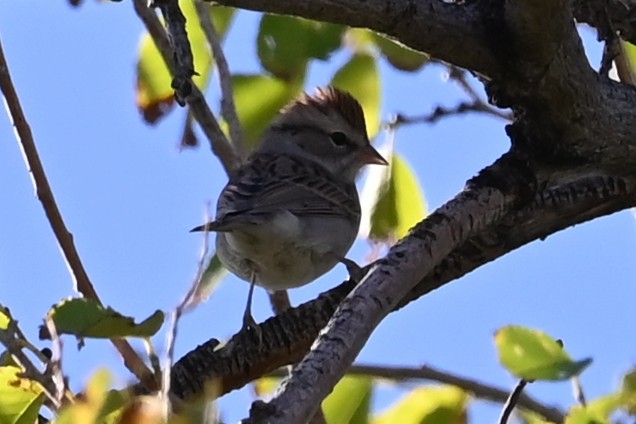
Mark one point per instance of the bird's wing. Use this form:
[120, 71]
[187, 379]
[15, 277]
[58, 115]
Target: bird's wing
[270, 184]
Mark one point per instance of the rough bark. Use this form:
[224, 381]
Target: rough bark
[572, 159]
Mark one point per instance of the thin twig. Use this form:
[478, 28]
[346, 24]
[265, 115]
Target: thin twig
[11, 340]
[228, 108]
[155, 363]
[64, 237]
[477, 388]
[512, 401]
[219, 143]
[577, 390]
[54, 366]
[189, 301]
[444, 112]
[459, 76]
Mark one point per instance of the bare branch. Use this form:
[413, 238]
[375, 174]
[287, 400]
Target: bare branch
[201, 111]
[441, 112]
[228, 108]
[474, 387]
[512, 401]
[183, 59]
[54, 216]
[577, 390]
[54, 365]
[189, 301]
[11, 339]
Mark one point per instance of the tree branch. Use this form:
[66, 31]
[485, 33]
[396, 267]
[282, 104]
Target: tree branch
[201, 111]
[64, 238]
[228, 108]
[473, 387]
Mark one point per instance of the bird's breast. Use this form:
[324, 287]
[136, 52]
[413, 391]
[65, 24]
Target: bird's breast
[288, 251]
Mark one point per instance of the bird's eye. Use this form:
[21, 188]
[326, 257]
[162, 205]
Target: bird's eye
[339, 138]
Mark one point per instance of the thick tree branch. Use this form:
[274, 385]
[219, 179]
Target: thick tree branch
[455, 32]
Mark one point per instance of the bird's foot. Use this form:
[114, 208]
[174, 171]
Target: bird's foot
[355, 272]
[250, 326]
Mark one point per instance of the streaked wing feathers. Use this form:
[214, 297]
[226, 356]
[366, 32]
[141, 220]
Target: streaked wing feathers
[271, 183]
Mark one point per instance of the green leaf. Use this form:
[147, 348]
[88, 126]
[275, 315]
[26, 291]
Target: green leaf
[360, 40]
[605, 406]
[86, 318]
[581, 415]
[350, 401]
[155, 96]
[393, 200]
[212, 276]
[287, 56]
[428, 405]
[20, 398]
[97, 405]
[530, 417]
[628, 391]
[533, 355]
[4, 318]
[360, 77]
[399, 55]
[258, 100]
[265, 386]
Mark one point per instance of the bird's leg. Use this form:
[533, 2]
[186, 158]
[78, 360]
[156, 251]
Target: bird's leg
[248, 319]
[355, 272]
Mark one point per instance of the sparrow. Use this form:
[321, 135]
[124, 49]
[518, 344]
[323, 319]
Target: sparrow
[291, 212]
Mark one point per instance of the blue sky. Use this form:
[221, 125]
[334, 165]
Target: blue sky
[129, 196]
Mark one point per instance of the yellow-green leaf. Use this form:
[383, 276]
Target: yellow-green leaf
[392, 201]
[86, 318]
[350, 400]
[360, 77]
[97, 405]
[582, 415]
[258, 100]
[154, 92]
[630, 49]
[428, 405]
[534, 355]
[212, 276]
[628, 391]
[399, 55]
[4, 318]
[265, 386]
[286, 56]
[530, 417]
[360, 40]
[605, 406]
[20, 398]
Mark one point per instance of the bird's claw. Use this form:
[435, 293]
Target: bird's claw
[355, 272]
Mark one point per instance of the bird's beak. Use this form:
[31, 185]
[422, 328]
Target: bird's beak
[368, 156]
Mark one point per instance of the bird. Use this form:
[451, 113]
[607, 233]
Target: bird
[291, 212]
